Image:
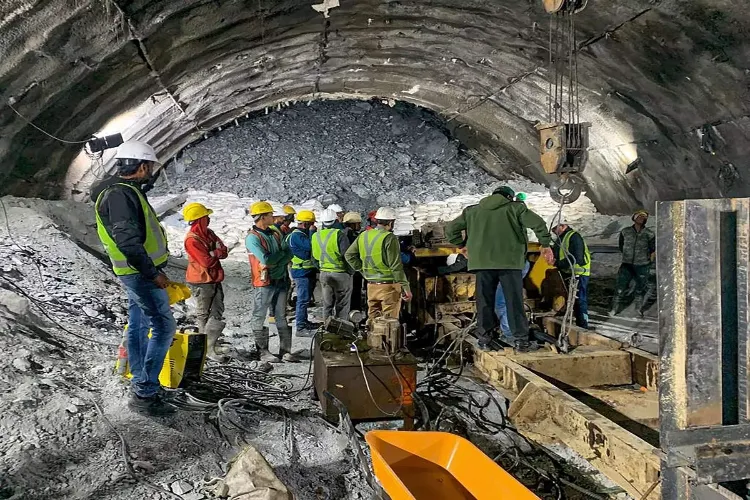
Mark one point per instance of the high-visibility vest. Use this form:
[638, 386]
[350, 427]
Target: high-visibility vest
[156, 239]
[260, 274]
[325, 249]
[370, 245]
[583, 269]
[298, 263]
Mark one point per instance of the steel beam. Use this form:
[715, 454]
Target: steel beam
[702, 266]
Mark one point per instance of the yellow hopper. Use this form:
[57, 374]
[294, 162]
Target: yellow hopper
[439, 465]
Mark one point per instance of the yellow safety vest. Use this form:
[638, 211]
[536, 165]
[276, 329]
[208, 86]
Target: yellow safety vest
[156, 239]
[579, 269]
[325, 249]
[370, 247]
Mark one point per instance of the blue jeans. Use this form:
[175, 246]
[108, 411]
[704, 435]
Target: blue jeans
[501, 309]
[271, 298]
[305, 287]
[148, 307]
[581, 307]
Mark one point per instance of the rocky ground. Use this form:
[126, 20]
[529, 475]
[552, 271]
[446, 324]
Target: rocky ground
[358, 154]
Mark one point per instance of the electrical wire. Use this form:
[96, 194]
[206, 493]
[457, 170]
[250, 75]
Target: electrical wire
[43, 131]
[369, 391]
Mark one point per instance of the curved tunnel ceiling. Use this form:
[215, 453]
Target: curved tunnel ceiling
[654, 76]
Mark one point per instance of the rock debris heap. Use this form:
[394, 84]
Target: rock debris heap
[358, 154]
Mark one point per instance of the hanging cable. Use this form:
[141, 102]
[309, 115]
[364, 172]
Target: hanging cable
[44, 131]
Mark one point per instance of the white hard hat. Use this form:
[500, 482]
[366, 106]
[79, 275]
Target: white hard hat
[335, 208]
[328, 215]
[278, 210]
[452, 258]
[385, 213]
[136, 150]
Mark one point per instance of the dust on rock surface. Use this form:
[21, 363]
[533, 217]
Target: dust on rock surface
[336, 151]
[62, 313]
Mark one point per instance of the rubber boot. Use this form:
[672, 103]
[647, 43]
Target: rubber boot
[639, 303]
[285, 345]
[267, 357]
[615, 305]
[215, 351]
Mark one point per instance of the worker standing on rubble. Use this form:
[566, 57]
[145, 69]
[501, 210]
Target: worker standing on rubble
[352, 228]
[574, 259]
[339, 224]
[638, 246]
[328, 248]
[269, 256]
[204, 274]
[496, 246]
[377, 255]
[303, 270]
[136, 244]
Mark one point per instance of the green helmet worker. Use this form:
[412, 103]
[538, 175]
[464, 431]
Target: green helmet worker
[499, 260]
[574, 259]
[377, 255]
[136, 243]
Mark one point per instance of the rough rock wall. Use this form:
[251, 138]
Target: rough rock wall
[654, 74]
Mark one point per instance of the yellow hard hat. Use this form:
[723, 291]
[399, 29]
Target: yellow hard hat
[289, 210]
[261, 207]
[194, 211]
[305, 216]
[639, 212]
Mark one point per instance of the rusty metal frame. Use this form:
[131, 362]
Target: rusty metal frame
[702, 263]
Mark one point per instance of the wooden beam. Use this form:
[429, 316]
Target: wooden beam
[580, 368]
[542, 411]
[580, 336]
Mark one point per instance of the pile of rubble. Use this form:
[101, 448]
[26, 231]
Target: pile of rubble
[357, 154]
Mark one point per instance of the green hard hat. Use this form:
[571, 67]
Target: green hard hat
[521, 196]
[506, 191]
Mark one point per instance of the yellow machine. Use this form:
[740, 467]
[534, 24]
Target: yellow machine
[185, 357]
[184, 360]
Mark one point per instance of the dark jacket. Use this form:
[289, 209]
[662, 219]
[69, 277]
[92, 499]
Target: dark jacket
[576, 249]
[124, 220]
[637, 247]
[457, 267]
[496, 233]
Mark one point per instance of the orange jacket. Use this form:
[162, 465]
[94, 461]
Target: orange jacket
[204, 250]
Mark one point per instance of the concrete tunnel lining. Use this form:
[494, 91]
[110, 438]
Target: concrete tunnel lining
[651, 73]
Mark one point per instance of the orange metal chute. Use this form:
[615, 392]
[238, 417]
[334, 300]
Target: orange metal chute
[435, 465]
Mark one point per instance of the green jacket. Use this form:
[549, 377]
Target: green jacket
[496, 233]
[385, 265]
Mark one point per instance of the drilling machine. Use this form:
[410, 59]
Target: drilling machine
[364, 364]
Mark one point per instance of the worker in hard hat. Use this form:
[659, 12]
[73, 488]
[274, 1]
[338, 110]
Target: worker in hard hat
[129, 229]
[304, 271]
[269, 256]
[372, 222]
[376, 254]
[339, 224]
[204, 274]
[328, 248]
[572, 258]
[352, 228]
[495, 245]
[638, 246]
[289, 212]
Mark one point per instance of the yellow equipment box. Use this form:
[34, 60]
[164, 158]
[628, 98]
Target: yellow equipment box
[184, 360]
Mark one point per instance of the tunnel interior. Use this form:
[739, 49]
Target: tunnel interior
[663, 83]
